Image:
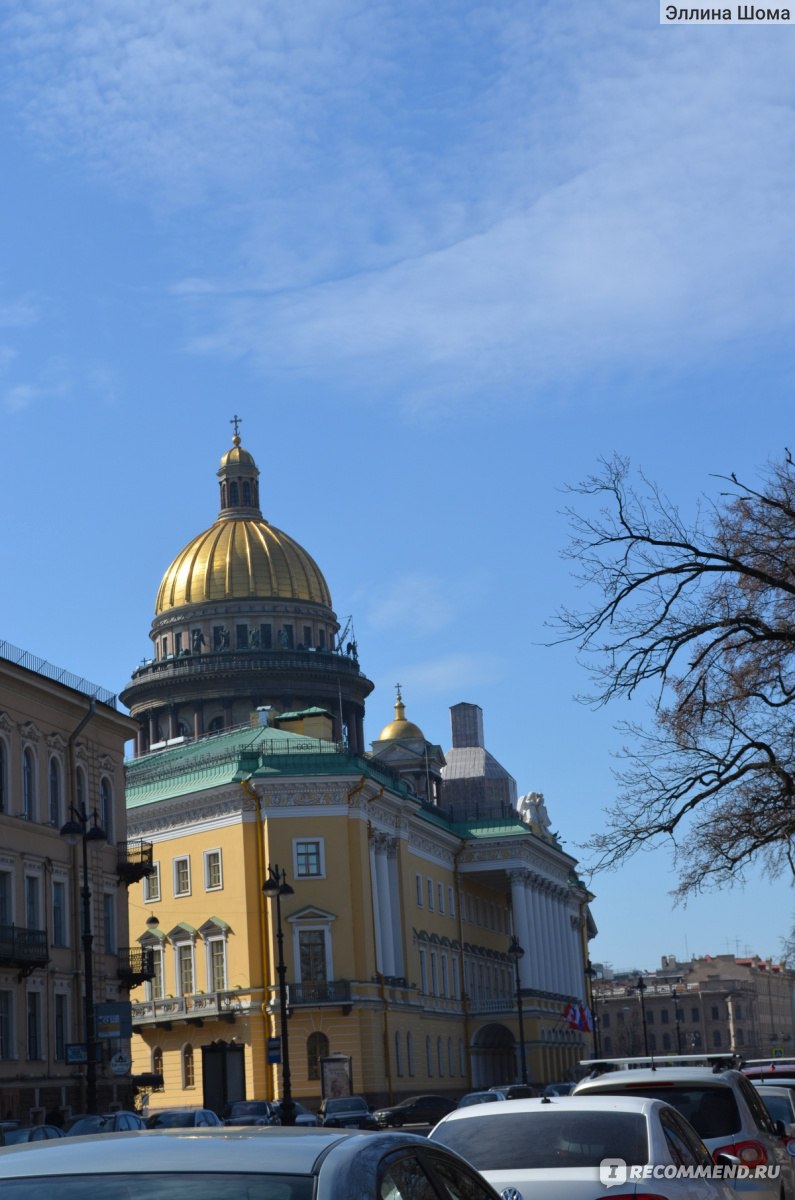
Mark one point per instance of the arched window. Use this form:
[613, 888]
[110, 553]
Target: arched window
[234, 493]
[188, 1077]
[81, 790]
[106, 806]
[157, 1061]
[3, 777]
[28, 785]
[316, 1048]
[55, 793]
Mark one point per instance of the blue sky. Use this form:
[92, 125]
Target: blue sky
[439, 258]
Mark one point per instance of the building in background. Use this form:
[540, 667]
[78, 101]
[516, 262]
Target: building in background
[411, 870]
[712, 1004]
[61, 749]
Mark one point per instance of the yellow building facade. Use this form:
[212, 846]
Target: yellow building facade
[410, 871]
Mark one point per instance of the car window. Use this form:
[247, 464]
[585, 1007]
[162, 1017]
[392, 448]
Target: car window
[456, 1182]
[546, 1139]
[689, 1136]
[122, 1186]
[711, 1110]
[754, 1102]
[778, 1105]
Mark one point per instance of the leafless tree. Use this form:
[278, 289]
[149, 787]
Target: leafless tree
[697, 616]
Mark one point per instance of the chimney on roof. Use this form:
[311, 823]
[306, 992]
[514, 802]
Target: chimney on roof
[467, 724]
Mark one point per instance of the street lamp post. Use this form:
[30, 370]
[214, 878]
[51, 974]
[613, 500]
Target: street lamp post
[84, 827]
[640, 988]
[590, 971]
[275, 887]
[515, 952]
[675, 996]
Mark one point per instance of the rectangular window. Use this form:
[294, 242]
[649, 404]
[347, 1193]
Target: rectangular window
[61, 1027]
[451, 901]
[185, 970]
[456, 978]
[445, 977]
[440, 896]
[6, 911]
[156, 989]
[34, 1026]
[664, 1016]
[241, 637]
[58, 913]
[177, 643]
[307, 636]
[423, 972]
[419, 891]
[694, 1014]
[715, 1012]
[287, 637]
[434, 974]
[430, 895]
[181, 876]
[308, 859]
[32, 906]
[152, 884]
[109, 916]
[6, 1041]
[265, 637]
[216, 949]
[213, 879]
[312, 955]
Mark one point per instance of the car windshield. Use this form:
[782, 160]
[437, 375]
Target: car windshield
[251, 1108]
[162, 1187]
[779, 1105]
[349, 1104]
[541, 1140]
[172, 1120]
[712, 1111]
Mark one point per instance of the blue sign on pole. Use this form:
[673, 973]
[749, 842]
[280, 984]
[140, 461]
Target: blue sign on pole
[274, 1050]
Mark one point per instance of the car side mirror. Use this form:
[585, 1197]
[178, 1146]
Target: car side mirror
[727, 1160]
[780, 1128]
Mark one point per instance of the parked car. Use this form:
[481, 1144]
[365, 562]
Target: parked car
[203, 1164]
[182, 1118]
[724, 1107]
[777, 1071]
[30, 1133]
[414, 1110]
[302, 1115]
[253, 1112]
[478, 1098]
[346, 1112]
[553, 1146]
[515, 1091]
[780, 1103]
[115, 1122]
[565, 1088]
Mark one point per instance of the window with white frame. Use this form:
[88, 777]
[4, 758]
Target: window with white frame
[309, 859]
[81, 789]
[188, 1072]
[185, 973]
[440, 897]
[182, 876]
[33, 902]
[152, 884]
[410, 1053]
[61, 1025]
[420, 902]
[155, 986]
[313, 965]
[456, 977]
[28, 785]
[423, 971]
[430, 895]
[213, 877]
[216, 964]
[34, 1048]
[55, 793]
[439, 1056]
[445, 976]
[6, 1025]
[450, 1059]
[60, 919]
[434, 974]
[398, 1053]
[451, 901]
[429, 1057]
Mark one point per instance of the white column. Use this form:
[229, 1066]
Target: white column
[535, 924]
[564, 942]
[547, 981]
[379, 953]
[521, 926]
[382, 872]
[395, 907]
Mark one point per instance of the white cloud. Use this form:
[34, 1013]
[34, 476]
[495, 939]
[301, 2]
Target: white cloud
[452, 672]
[413, 604]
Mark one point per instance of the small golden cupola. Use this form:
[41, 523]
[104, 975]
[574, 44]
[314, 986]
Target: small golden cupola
[400, 728]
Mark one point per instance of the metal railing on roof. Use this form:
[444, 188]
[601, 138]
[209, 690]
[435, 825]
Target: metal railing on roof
[31, 662]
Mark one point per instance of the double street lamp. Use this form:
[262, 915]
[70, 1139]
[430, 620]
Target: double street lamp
[84, 827]
[515, 953]
[274, 887]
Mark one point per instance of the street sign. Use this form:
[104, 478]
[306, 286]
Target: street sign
[121, 1063]
[274, 1050]
[114, 1020]
[77, 1053]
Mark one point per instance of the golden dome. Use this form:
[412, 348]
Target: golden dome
[400, 728]
[241, 556]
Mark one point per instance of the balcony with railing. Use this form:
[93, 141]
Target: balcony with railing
[24, 949]
[134, 860]
[136, 965]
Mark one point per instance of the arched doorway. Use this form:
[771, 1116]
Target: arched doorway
[493, 1056]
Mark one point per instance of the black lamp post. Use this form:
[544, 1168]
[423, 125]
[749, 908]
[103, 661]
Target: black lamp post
[675, 996]
[515, 952]
[86, 828]
[640, 988]
[590, 971]
[275, 887]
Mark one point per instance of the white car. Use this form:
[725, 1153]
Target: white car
[720, 1103]
[556, 1148]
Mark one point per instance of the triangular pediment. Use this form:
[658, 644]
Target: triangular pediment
[312, 913]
